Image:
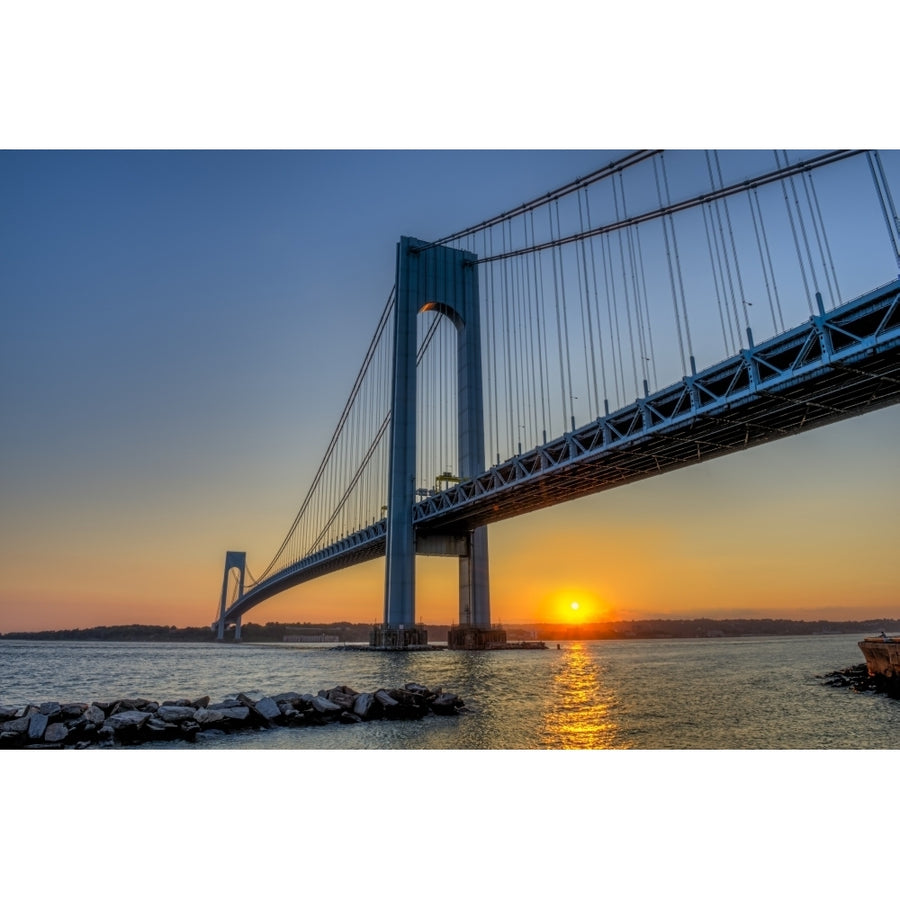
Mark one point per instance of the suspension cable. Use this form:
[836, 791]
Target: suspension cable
[610, 169]
[681, 205]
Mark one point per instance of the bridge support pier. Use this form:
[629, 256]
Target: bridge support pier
[444, 280]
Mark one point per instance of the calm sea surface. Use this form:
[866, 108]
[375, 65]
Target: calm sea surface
[747, 693]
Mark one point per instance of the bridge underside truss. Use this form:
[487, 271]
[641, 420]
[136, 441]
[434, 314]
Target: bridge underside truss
[837, 365]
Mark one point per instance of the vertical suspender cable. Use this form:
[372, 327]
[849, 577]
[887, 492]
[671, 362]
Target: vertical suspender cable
[647, 318]
[521, 380]
[723, 262]
[881, 199]
[712, 263]
[593, 399]
[671, 272]
[615, 332]
[887, 191]
[562, 284]
[495, 308]
[762, 228]
[486, 330]
[531, 318]
[636, 290]
[594, 411]
[559, 339]
[542, 331]
[815, 214]
[627, 299]
[687, 323]
[587, 206]
[507, 329]
[737, 263]
[787, 206]
[762, 261]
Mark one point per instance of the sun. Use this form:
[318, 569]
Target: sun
[573, 604]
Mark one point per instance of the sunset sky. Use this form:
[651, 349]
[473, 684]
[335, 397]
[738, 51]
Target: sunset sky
[181, 330]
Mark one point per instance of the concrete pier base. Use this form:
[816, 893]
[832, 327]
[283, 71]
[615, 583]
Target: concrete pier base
[471, 637]
[398, 637]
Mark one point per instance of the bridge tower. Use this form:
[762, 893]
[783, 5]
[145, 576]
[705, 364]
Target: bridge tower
[234, 559]
[432, 277]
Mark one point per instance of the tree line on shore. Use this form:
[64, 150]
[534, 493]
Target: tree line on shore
[347, 632]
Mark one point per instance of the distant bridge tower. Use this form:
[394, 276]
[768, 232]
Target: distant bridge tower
[432, 277]
[234, 559]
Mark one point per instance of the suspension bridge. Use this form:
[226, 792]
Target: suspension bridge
[663, 310]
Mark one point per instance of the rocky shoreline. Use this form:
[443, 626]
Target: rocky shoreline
[858, 679]
[131, 722]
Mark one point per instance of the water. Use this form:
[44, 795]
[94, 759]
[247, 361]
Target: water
[748, 693]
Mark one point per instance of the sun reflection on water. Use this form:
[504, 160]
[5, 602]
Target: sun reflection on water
[579, 711]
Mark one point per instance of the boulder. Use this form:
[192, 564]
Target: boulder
[189, 731]
[385, 699]
[204, 716]
[37, 726]
[287, 697]
[200, 703]
[268, 708]
[293, 718]
[366, 706]
[230, 703]
[130, 718]
[79, 729]
[235, 713]
[50, 709]
[444, 705]
[342, 697]
[175, 714]
[418, 689]
[16, 726]
[56, 732]
[95, 714]
[250, 698]
[7, 712]
[325, 706]
[74, 710]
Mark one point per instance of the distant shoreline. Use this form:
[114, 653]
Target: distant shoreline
[346, 632]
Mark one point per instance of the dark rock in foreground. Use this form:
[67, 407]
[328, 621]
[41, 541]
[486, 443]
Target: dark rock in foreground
[858, 679]
[128, 722]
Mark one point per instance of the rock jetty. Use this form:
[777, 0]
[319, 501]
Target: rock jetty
[130, 722]
[859, 680]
